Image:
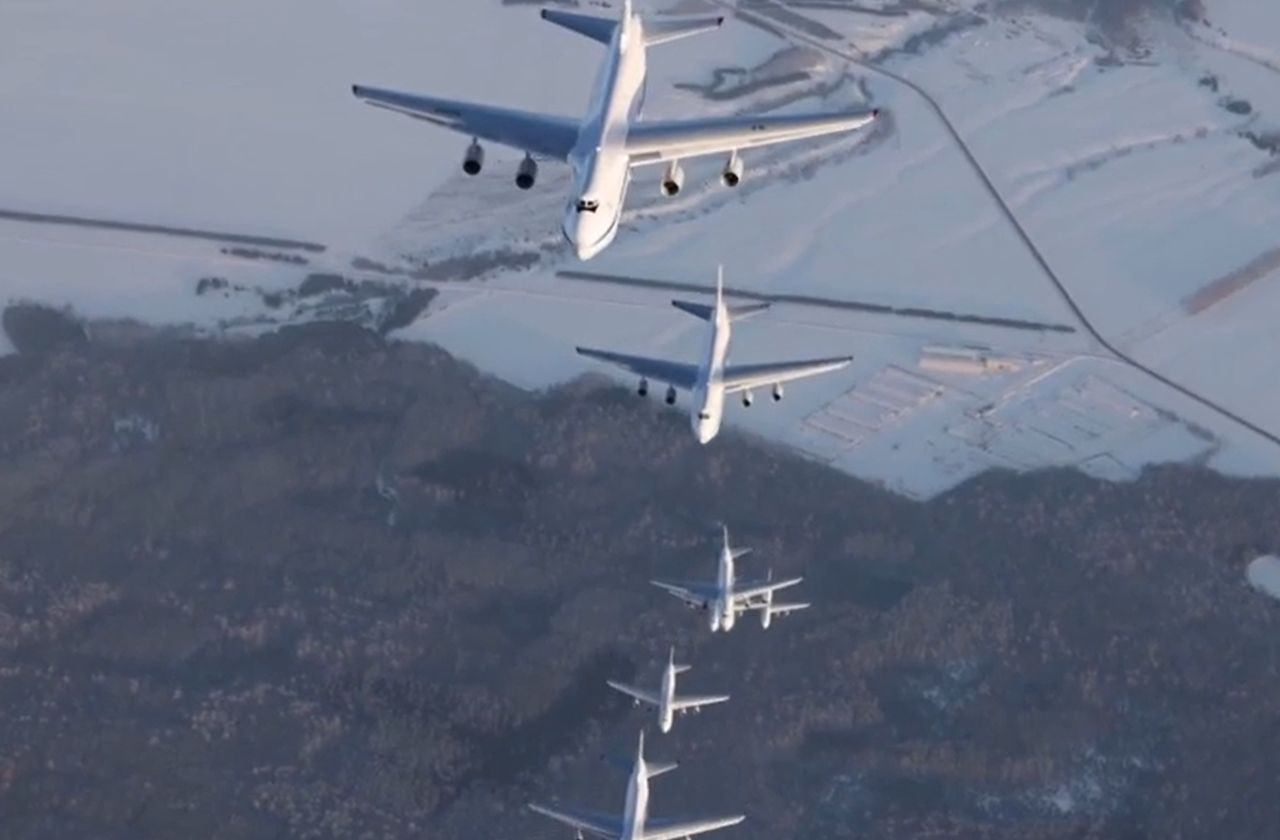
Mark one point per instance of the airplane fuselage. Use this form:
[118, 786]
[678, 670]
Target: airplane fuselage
[599, 162]
[722, 611]
[667, 692]
[708, 393]
[637, 803]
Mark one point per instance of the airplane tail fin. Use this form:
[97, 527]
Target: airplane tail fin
[707, 312]
[735, 553]
[652, 768]
[676, 669]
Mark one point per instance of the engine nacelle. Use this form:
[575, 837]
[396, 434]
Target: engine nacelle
[777, 392]
[732, 174]
[673, 179]
[671, 395]
[747, 399]
[527, 174]
[473, 162]
[643, 388]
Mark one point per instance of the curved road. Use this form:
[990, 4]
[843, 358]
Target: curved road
[1063, 292]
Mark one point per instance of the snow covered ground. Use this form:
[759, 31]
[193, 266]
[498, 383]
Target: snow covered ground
[1145, 181]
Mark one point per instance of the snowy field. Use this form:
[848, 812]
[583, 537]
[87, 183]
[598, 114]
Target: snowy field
[1131, 161]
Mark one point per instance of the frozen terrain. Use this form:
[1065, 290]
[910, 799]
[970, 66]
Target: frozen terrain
[1139, 148]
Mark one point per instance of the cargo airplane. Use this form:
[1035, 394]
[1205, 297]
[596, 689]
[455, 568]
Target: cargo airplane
[712, 379]
[726, 598]
[635, 822]
[605, 145]
[668, 703]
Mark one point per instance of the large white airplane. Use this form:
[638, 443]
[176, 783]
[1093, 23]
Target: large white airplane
[604, 146]
[713, 378]
[665, 699]
[726, 598]
[635, 823]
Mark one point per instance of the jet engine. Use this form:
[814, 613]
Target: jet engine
[643, 389]
[777, 392]
[672, 179]
[732, 175]
[671, 395]
[747, 399]
[474, 160]
[527, 174]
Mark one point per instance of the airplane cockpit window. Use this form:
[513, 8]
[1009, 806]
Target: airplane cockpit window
[586, 205]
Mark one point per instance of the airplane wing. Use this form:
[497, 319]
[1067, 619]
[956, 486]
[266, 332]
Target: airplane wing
[696, 594]
[741, 377]
[654, 142]
[638, 693]
[785, 609]
[693, 701]
[745, 593]
[668, 829]
[606, 826]
[538, 134]
[678, 374]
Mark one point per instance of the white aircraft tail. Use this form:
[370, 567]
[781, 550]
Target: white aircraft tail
[652, 768]
[707, 312]
[677, 668]
[735, 553]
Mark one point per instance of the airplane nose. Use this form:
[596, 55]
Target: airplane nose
[581, 243]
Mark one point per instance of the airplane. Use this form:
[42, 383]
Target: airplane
[635, 824]
[712, 379]
[726, 598]
[609, 141]
[666, 700]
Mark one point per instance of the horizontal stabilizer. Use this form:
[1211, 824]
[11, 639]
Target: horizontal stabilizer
[657, 768]
[681, 669]
[597, 29]
[637, 693]
[705, 311]
[664, 31]
[746, 310]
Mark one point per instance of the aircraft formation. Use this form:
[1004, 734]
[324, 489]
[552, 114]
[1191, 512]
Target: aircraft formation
[723, 599]
[602, 148]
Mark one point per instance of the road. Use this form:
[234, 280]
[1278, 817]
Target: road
[164, 230]
[819, 302]
[860, 60]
